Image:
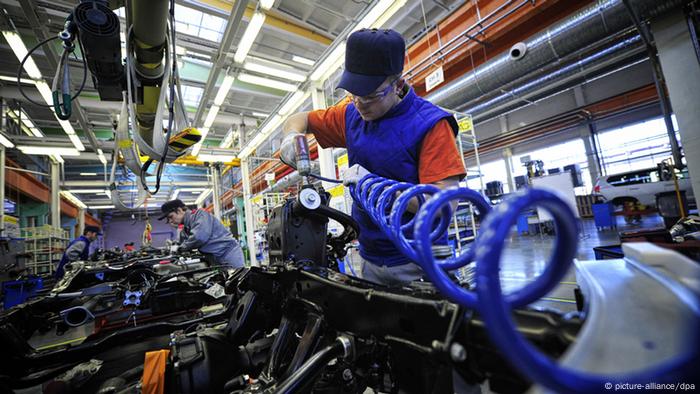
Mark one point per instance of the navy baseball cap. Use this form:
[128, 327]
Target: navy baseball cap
[371, 55]
[171, 206]
[93, 229]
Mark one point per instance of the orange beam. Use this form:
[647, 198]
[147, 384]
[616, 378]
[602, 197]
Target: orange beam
[28, 185]
[522, 23]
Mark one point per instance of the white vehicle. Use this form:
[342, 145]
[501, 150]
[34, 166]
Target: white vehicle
[642, 186]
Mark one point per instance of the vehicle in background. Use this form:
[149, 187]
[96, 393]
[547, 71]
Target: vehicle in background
[641, 186]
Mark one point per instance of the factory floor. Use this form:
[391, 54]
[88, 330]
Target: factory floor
[526, 256]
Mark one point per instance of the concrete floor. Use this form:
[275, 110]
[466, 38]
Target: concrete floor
[525, 257]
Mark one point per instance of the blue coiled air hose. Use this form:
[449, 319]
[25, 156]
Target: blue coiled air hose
[378, 197]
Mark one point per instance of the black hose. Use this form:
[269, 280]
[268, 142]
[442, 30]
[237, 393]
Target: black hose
[310, 369]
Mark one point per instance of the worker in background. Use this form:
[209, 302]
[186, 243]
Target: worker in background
[78, 249]
[204, 232]
[129, 247]
[388, 131]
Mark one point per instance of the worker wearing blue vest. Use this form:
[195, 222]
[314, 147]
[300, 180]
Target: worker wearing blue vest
[78, 249]
[203, 232]
[388, 130]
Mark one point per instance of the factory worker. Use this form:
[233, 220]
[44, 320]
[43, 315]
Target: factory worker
[78, 249]
[204, 232]
[388, 131]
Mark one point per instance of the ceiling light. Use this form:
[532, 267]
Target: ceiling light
[75, 200]
[211, 115]
[88, 174]
[87, 191]
[45, 92]
[223, 90]
[48, 150]
[176, 192]
[76, 142]
[293, 102]
[203, 196]
[101, 156]
[270, 83]
[20, 51]
[57, 158]
[102, 207]
[274, 71]
[215, 158]
[303, 60]
[329, 64]
[192, 189]
[195, 149]
[260, 114]
[375, 14]
[5, 142]
[266, 4]
[251, 31]
[14, 79]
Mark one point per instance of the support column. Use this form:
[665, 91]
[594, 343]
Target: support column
[249, 224]
[592, 156]
[508, 159]
[682, 74]
[2, 190]
[55, 199]
[216, 196]
[325, 156]
[81, 220]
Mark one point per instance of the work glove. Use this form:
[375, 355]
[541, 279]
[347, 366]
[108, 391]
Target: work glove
[174, 248]
[287, 151]
[354, 174]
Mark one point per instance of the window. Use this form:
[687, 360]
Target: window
[191, 95]
[196, 23]
[558, 156]
[634, 178]
[491, 171]
[635, 147]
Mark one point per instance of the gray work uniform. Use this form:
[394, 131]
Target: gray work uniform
[204, 232]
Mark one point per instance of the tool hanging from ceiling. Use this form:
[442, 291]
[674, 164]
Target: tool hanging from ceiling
[146, 81]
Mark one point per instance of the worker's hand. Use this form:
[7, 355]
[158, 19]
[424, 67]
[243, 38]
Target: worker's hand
[287, 152]
[354, 174]
[174, 248]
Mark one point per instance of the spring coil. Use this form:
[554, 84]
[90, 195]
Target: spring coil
[377, 196]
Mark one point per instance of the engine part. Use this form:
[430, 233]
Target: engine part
[77, 316]
[99, 34]
[132, 298]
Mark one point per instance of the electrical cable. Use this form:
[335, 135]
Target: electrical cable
[29, 53]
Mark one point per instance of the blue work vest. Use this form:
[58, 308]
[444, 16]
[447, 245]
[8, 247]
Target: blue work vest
[64, 260]
[389, 147]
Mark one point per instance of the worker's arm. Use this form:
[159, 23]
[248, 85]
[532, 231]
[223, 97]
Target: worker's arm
[296, 123]
[74, 251]
[200, 231]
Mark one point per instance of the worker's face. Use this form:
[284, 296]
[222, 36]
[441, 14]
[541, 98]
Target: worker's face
[374, 105]
[176, 217]
[91, 235]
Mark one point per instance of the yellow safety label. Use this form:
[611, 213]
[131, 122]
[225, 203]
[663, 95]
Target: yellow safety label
[465, 124]
[125, 144]
[337, 191]
[256, 199]
[343, 160]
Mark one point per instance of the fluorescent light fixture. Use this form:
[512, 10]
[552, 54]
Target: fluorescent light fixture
[274, 71]
[370, 18]
[45, 92]
[266, 4]
[211, 115]
[14, 79]
[251, 31]
[48, 150]
[57, 158]
[107, 193]
[76, 142]
[270, 126]
[329, 64]
[6, 142]
[293, 102]
[203, 196]
[215, 158]
[88, 174]
[176, 192]
[303, 60]
[75, 200]
[25, 124]
[101, 156]
[20, 51]
[260, 114]
[192, 189]
[270, 83]
[195, 149]
[223, 90]
[87, 191]
[102, 207]
[395, 6]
